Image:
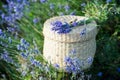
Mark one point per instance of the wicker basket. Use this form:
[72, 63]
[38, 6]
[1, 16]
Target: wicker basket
[58, 46]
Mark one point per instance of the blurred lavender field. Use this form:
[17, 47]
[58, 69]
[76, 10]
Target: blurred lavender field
[21, 39]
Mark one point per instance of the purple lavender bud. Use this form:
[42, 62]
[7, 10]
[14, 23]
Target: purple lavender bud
[4, 6]
[19, 1]
[23, 55]
[25, 2]
[68, 69]
[24, 45]
[73, 51]
[31, 59]
[17, 9]
[60, 31]
[3, 36]
[43, 1]
[10, 60]
[1, 31]
[35, 62]
[72, 13]
[68, 60]
[6, 57]
[22, 41]
[36, 51]
[8, 1]
[100, 74]
[57, 24]
[14, 11]
[83, 32]
[8, 19]
[67, 8]
[35, 20]
[18, 47]
[56, 28]
[11, 4]
[9, 40]
[118, 69]
[24, 73]
[56, 66]
[108, 1]
[73, 69]
[3, 16]
[52, 6]
[83, 4]
[89, 60]
[38, 64]
[34, 0]
[60, 27]
[67, 30]
[74, 24]
[10, 29]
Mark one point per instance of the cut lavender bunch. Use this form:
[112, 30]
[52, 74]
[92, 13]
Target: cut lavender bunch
[63, 28]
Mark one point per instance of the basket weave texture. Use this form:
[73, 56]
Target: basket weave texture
[58, 46]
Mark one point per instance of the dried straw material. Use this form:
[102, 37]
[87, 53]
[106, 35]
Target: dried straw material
[58, 46]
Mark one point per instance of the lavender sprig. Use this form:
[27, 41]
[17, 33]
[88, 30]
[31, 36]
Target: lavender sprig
[63, 28]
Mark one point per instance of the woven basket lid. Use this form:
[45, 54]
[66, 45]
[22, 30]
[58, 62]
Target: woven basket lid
[75, 34]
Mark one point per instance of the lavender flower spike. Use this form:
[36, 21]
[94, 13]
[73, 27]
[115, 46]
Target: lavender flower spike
[43, 1]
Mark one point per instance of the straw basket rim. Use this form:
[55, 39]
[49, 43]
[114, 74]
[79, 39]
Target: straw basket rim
[69, 37]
